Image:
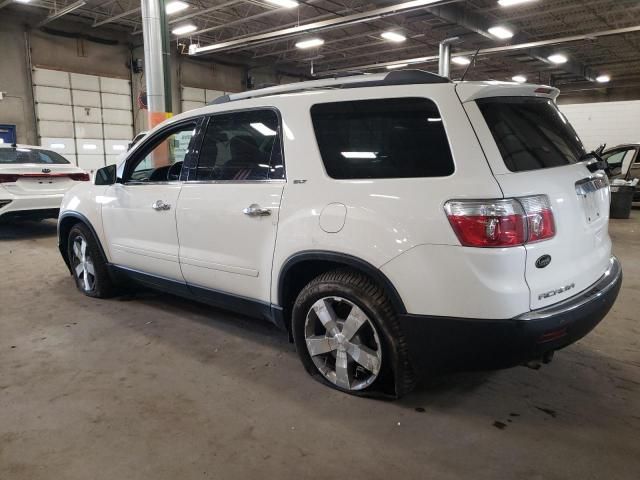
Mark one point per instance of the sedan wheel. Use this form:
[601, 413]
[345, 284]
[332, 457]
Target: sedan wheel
[83, 266]
[343, 343]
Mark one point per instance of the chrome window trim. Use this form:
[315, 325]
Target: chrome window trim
[204, 182]
[172, 182]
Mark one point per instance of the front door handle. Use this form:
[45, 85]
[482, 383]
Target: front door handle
[255, 210]
[160, 205]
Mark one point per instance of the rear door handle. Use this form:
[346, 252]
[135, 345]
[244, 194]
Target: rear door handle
[255, 210]
[160, 205]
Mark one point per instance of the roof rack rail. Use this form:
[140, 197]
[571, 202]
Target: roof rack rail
[397, 77]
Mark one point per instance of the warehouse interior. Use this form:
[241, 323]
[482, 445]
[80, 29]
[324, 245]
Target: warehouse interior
[148, 385]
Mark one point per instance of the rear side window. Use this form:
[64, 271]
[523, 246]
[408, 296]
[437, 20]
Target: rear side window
[241, 146]
[387, 138]
[27, 155]
[531, 132]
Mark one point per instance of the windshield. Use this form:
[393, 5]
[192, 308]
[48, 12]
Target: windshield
[27, 155]
[531, 132]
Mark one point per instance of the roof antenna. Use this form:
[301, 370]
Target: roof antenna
[472, 62]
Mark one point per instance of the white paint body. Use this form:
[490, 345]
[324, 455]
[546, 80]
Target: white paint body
[396, 225]
[38, 191]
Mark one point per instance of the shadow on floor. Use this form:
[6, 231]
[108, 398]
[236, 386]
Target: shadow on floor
[27, 229]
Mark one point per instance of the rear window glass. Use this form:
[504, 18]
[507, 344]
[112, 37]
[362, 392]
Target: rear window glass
[531, 132]
[387, 138]
[27, 155]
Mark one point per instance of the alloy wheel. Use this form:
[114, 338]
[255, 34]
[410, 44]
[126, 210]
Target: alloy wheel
[343, 343]
[83, 264]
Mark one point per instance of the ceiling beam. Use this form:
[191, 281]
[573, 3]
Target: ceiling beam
[336, 22]
[480, 25]
[116, 17]
[493, 50]
[62, 12]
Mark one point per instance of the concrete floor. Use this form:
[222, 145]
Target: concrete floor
[153, 387]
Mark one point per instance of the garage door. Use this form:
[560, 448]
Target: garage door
[197, 97]
[86, 118]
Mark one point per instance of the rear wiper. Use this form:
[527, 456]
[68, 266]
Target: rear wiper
[598, 164]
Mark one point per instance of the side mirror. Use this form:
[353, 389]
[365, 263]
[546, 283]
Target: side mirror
[106, 175]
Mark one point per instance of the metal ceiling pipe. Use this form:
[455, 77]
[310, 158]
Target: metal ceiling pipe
[444, 57]
[154, 61]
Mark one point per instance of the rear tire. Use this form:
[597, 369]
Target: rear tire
[88, 265]
[348, 337]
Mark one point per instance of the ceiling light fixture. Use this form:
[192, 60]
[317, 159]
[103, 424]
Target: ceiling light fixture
[184, 29]
[175, 7]
[603, 79]
[397, 65]
[510, 3]
[310, 43]
[557, 58]
[519, 79]
[501, 32]
[393, 36]
[284, 3]
[461, 60]
[22, 1]
[359, 155]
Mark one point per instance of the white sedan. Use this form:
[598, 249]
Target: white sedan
[33, 181]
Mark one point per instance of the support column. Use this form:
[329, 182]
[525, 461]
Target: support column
[444, 56]
[156, 61]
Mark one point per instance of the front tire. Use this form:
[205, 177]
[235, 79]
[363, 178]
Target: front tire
[347, 335]
[88, 265]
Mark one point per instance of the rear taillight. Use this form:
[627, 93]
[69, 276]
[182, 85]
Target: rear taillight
[80, 177]
[540, 223]
[501, 223]
[8, 178]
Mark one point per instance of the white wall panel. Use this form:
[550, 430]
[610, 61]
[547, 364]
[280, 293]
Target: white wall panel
[50, 78]
[190, 105]
[115, 85]
[612, 123]
[71, 157]
[91, 163]
[116, 132]
[55, 129]
[64, 146]
[112, 159]
[88, 130]
[90, 146]
[112, 100]
[45, 111]
[82, 98]
[87, 115]
[193, 94]
[116, 147]
[211, 95]
[117, 117]
[85, 82]
[60, 96]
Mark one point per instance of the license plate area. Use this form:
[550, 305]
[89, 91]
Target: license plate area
[591, 196]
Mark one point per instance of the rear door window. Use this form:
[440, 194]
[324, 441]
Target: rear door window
[241, 146]
[531, 132]
[386, 138]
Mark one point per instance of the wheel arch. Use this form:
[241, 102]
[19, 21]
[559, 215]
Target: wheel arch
[300, 268]
[66, 221]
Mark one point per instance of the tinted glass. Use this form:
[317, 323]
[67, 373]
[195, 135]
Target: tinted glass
[531, 132]
[163, 161]
[241, 146]
[388, 138]
[27, 155]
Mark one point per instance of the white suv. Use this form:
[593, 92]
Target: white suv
[394, 224]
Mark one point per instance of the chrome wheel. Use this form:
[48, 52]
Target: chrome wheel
[83, 264]
[343, 343]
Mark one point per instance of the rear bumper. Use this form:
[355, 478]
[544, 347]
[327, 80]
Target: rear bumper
[446, 343]
[31, 206]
